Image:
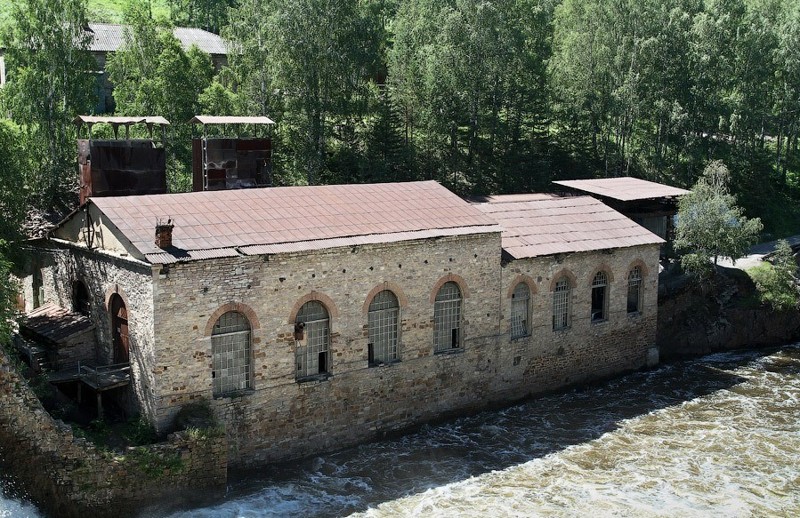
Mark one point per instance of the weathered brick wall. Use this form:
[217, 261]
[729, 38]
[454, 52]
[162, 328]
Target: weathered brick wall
[284, 418]
[587, 350]
[103, 276]
[68, 477]
[281, 418]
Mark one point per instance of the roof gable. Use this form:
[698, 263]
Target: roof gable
[543, 224]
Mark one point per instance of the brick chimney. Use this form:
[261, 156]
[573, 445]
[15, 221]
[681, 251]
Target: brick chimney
[164, 234]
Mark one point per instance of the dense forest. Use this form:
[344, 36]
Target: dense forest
[485, 96]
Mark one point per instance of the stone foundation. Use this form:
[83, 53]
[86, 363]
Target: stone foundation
[69, 477]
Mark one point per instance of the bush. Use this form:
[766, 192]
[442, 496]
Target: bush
[777, 283]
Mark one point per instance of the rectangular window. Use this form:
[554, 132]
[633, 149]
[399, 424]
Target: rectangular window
[313, 354]
[231, 362]
[561, 309]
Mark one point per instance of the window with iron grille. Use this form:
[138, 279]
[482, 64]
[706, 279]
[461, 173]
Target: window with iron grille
[230, 352]
[520, 311]
[382, 321]
[561, 304]
[634, 290]
[599, 297]
[447, 318]
[313, 341]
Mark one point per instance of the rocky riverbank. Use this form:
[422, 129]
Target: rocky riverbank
[701, 318]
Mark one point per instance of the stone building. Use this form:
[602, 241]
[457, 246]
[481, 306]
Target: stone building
[316, 317]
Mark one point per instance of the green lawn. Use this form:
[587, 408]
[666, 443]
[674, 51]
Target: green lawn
[108, 11]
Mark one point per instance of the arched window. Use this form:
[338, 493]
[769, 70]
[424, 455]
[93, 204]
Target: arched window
[80, 298]
[600, 297]
[561, 304]
[634, 290]
[520, 311]
[447, 318]
[312, 336]
[382, 320]
[230, 352]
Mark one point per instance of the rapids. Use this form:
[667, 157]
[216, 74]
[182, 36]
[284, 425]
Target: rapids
[717, 436]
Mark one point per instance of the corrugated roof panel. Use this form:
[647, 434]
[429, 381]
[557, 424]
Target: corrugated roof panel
[537, 225]
[110, 37]
[271, 216]
[624, 188]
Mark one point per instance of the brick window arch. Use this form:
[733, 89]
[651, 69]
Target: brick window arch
[383, 322]
[230, 353]
[312, 340]
[447, 311]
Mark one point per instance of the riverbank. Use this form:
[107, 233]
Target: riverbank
[695, 319]
[68, 476]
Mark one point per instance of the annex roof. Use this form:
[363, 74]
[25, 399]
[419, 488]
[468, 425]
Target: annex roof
[624, 188]
[109, 37]
[536, 225]
[229, 119]
[215, 224]
[120, 120]
[56, 323]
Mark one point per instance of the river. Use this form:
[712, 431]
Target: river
[718, 436]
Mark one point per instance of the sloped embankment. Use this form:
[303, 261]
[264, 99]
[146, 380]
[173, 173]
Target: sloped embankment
[69, 477]
[696, 319]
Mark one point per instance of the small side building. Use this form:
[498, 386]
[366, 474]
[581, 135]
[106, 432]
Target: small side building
[650, 204]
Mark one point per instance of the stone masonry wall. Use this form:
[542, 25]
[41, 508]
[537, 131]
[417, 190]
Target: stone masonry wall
[68, 477]
[281, 418]
[587, 350]
[103, 276]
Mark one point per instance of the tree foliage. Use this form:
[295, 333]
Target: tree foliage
[153, 75]
[777, 282]
[48, 85]
[711, 225]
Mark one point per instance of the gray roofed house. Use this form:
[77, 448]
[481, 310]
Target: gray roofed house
[109, 37]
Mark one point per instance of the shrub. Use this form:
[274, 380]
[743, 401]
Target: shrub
[777, 283]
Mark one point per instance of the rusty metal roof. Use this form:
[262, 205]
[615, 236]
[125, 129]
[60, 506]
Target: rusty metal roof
[280, 219]
[217, 119]
[56, 323]
[536, 225]
[109, 37]
[624, 188]
[119, 120]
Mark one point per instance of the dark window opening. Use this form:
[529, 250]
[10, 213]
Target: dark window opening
[599, 297]
[80, 298]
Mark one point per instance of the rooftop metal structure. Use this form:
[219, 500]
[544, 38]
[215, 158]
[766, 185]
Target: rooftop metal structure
[221, 162]
[121, 166]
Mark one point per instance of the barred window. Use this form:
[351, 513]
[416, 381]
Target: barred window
[634, 290]
[520, 311]
[599, 297]
[230, 351]
[312, 340]
[382, 321]
[561, 305]
[447, 318]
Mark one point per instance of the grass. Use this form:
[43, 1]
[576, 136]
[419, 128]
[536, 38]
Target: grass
[103, 11]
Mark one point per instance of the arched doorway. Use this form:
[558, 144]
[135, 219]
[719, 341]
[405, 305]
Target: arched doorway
[119, 329]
